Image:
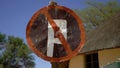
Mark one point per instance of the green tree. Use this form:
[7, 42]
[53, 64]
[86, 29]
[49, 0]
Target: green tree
[2, 41]
[16, 54]
[2, 37]
[98, 12]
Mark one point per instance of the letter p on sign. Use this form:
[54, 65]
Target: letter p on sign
[62, 24]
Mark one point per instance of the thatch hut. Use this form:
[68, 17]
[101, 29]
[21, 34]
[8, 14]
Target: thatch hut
[102, 46]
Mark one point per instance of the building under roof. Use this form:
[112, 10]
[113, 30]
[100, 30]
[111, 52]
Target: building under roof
[102, 46]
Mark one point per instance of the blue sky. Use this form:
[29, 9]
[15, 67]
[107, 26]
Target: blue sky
[15, 14]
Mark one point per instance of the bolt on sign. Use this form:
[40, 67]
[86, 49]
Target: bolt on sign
[55, 33]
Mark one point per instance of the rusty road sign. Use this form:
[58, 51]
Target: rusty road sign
[55, 33]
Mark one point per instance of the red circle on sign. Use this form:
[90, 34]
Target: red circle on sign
[36, 33]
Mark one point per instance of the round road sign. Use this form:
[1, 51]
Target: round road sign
[55, 33]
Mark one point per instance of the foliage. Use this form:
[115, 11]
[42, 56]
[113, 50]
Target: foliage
[98, 12]
[16, 54]
[2, 38]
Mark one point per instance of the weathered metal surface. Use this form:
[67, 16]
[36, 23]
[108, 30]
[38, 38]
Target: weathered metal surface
[37, 33]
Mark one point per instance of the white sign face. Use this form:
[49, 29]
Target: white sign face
[62, 24]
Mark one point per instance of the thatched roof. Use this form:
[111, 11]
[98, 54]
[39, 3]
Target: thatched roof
[106, 36]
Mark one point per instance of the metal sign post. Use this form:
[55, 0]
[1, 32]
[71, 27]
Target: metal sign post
[55, 33]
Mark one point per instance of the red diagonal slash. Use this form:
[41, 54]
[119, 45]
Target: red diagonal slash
[58, 32]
